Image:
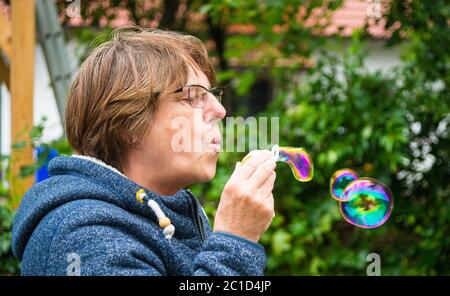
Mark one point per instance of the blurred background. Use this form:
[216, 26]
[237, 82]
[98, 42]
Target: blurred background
[362, 84]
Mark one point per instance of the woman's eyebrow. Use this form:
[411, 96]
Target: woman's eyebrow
[200, 84]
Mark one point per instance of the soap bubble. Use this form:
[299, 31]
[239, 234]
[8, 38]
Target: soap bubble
[298, 159]
[368, 203]
[339, 181]
[365, 202]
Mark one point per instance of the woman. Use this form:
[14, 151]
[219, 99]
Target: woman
[117, 206]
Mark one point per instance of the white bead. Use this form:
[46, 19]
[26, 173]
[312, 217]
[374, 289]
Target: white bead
[169, 231]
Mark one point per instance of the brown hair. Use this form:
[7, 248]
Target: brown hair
[119, 86]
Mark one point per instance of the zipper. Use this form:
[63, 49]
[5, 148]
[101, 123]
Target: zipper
[196, 215]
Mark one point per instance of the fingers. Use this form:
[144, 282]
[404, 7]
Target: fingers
[271, 202]
[267, 187]
[261, 174]
[269, 205]
[249, 166]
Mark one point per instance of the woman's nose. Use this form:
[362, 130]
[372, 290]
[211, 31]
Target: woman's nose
[215, 108]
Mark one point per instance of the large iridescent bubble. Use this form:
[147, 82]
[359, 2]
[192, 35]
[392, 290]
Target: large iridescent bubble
[339, 181]
[367, 203]
[298, 159]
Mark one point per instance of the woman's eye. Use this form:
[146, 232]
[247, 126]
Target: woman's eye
[199, 96]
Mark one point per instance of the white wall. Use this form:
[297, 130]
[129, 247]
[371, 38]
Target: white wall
[44, 105]
[381, 57]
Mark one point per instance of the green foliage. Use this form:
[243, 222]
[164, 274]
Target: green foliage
[425, 25]
[347, 116]
[278, 27]
[8, 264]
[279, 39]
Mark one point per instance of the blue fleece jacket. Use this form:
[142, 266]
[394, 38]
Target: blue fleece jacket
[85, 220]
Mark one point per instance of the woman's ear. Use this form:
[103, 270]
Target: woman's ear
[134, 140]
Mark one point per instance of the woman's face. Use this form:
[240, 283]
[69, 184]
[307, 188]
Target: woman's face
[183, 142]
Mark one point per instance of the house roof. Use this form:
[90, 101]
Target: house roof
[352, 15]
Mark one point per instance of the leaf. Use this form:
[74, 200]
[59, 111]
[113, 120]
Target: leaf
[281, 242]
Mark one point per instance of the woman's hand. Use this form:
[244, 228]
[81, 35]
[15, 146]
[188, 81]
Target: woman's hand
[246, 207]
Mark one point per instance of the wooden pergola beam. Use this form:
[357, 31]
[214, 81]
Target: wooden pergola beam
[21, 89]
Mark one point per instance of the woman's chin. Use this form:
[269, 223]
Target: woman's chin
[208, 175]
[205, 168]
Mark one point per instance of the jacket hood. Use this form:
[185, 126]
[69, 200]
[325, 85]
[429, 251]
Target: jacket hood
[73, 178]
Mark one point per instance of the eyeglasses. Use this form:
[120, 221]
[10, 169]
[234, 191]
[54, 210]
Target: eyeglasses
[197, 95]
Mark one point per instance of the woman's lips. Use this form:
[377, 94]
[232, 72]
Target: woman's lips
[215, 144]
[215, 147]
